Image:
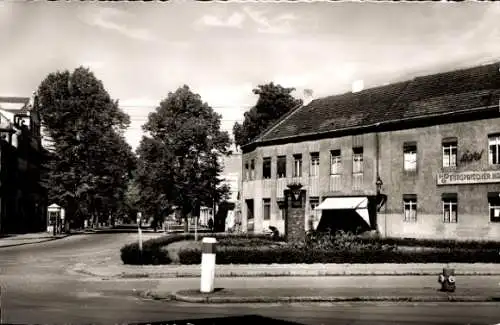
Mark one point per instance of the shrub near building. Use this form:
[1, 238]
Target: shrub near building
[346, 248]
[154, 250]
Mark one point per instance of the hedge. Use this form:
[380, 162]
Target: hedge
[291, 255]
[327, 240]
[152, 252]
[434, 243]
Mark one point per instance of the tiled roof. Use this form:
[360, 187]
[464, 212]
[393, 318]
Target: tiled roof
[441, 93]
[23, 104]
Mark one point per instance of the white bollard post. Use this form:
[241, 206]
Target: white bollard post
[140, 238]
[208, 264]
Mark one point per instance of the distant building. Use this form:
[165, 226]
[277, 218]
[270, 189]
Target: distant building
[231, 177]
[23, 199]
[231, 174]
[419, 158]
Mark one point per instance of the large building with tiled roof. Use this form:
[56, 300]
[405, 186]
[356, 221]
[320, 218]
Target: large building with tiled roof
[419, 158]
[23, 197]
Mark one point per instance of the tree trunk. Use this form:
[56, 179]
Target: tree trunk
[95, 219]
[186, 223]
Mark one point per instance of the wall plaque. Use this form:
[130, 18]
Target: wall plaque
[457, 178]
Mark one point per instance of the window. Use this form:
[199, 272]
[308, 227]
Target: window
[282, 214]
[410, 208]
[494, 206]
[410, 157]
[494, 152]
[314, 164]
[281, 168]
[357, 160]
[247, 172]
[297, 165]
[335, 162]
[266, 168]
[315, 215]
[250, 213]
[450, 205]
[450, 153]
[267, 209]
[252, 169]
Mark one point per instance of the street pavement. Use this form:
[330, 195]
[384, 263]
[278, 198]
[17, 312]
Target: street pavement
[38, 286]
[342, 288]
[26, 239]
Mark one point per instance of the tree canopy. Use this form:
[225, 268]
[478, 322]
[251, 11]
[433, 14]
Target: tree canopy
[179, 157]
[90, 161]
[274, 101]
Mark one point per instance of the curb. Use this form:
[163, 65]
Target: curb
[294, 299]
[244, 274]
[35, 242]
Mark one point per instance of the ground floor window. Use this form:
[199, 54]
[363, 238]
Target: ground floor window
[450, 207]
[494, 211]
[314, 215]
[267, 208]
[410, 207]
[494, 206]
[282, 213]
[250, 209]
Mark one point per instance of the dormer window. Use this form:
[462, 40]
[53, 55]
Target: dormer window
[22, 121]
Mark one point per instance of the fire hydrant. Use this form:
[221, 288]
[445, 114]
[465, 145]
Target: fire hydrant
[447, 280]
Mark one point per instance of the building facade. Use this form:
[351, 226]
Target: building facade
[419, 158]
[231, 177]
[23, 199]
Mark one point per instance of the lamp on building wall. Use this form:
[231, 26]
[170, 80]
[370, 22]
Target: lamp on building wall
[4, 135]
[379, 184]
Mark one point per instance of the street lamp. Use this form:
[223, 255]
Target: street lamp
[139, 233]
[138, 220]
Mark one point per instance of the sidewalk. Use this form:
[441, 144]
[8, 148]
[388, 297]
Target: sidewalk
[259, 270]
[26, 239]
[388, 288]
[41, 237]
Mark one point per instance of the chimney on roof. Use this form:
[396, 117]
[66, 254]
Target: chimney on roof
[308, 96]
[357, 86]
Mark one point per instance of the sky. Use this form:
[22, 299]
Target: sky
[143, 51]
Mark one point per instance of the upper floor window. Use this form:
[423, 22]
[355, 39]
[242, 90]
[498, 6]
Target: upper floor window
[281, 167]
[494, 149]
[297, 165]
[314, 164]
[252, 169]
[450, 153]
[266, 168]
[410, 207]
[357, 160]
[450, 207]
[410, 156]
[335, 162]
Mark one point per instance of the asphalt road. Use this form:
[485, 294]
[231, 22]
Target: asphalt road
[37, 288]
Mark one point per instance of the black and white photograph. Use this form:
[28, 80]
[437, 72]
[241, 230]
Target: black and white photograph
[262, 162]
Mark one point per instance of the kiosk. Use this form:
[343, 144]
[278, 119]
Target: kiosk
[55, 220]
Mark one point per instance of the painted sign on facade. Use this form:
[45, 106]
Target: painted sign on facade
[457, 178]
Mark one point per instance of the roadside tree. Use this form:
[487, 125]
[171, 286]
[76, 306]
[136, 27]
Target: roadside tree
[179, 157]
